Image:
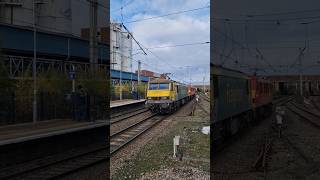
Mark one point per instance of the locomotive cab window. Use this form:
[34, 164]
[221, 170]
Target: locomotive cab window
[164, 86]
[153, 86]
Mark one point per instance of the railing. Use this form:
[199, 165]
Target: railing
[17, 108]
[11, 2]
[21, 67]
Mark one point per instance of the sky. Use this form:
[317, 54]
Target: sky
[265, 36]
[185, 63]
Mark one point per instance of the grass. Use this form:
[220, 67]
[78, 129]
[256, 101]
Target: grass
[158, 154]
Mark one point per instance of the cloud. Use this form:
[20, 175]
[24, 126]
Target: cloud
[168, 31]
[191, 27]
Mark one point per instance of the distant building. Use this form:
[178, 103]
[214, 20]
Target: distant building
[60, 16]
[148, 73]
[120, 47]
[50, 45]
[290, 84]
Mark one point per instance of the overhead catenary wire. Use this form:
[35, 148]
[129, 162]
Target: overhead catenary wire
[284, 13]
[275, 20]
[262, 58]
[138, 43]
[179, 45]
[161, 60]
[134, 38]
[264, 67]
[144, 48]
[303, 17]
[169, 14]
[240, 44]
[123, 6]
[136, 60]
[229, 57]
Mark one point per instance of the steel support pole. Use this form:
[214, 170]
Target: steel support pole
[203, 85]
[121, 78]
[34, 66]
[93, 34]
[139, 71]
[139, 78]
[300, 75]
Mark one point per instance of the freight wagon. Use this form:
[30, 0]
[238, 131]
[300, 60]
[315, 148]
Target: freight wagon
[237, 100]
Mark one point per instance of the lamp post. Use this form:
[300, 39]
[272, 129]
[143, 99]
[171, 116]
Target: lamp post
[301, 53]
[300, 71]
[34, 65]
[121, 63]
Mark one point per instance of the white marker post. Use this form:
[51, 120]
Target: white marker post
[279, 118]
[176, 142]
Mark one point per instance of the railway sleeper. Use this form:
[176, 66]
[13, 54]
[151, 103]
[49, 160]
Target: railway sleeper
[263, 156]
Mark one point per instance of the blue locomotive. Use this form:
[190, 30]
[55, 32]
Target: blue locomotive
[237, 99]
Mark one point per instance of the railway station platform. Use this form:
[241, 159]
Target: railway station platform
[25, 142]
[125, 102]
[30, 131]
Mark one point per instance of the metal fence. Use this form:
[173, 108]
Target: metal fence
[127, 95]
[16, 109]
[20, 67]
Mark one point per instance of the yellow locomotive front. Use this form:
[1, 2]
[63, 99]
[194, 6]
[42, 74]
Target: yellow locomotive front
[161, 95]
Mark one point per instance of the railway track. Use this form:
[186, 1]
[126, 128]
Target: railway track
[282, 101]
[203, 109]
[205, 97]
[57, 165]
[269, 164]
[264, 155]
[305, 114]
[316, 104]
[297, 150]
[222, 144]
[123, 137]
[298, 110]
[129, 114]
[60, 165]
[122, 113]
[261, 162]
[262, 159]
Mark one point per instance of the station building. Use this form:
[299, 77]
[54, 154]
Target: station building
[62, 34]
[290, 84]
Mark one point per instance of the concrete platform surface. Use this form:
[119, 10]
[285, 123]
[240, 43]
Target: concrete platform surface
[124, 102]
[28, 131]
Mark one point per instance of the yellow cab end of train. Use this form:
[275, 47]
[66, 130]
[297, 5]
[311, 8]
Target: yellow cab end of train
[160, 89]
[158, 93]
